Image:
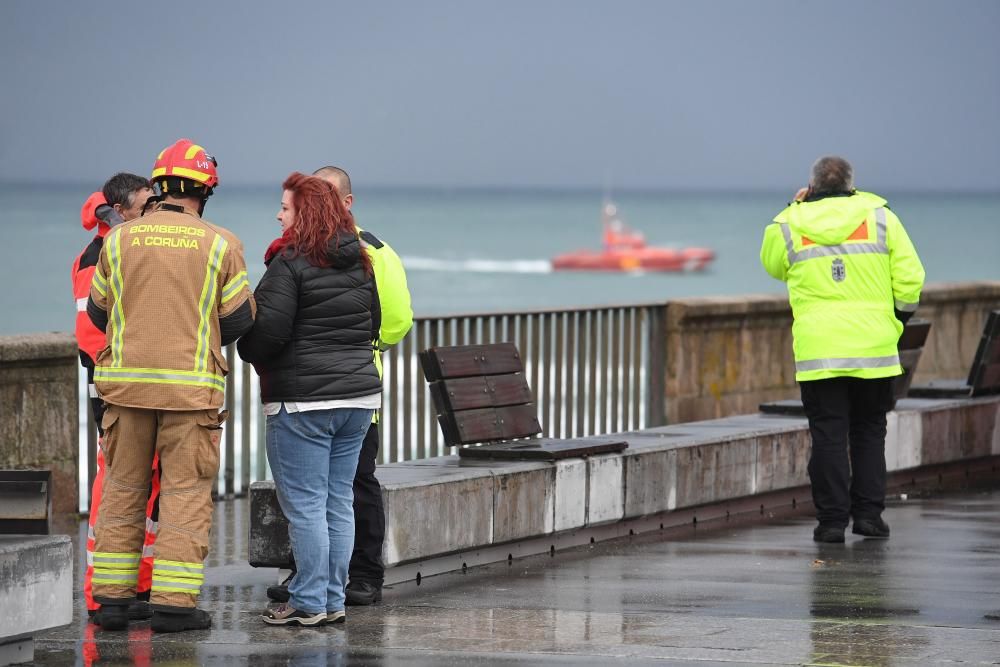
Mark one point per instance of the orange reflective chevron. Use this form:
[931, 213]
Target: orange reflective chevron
[859, 234]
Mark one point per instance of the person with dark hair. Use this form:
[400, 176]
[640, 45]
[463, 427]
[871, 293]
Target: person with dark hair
[170, 290]
[313, 346]
[121, 199]
[854, 279]
[367, 572]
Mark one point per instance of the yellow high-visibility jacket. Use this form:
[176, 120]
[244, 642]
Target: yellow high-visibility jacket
[849, 266]
[393, 295]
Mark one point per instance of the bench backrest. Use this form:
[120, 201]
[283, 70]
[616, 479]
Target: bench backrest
[911, 344]
[480, 393]
[984, 375]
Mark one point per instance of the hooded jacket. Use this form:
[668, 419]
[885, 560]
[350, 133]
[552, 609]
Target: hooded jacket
[316, 327]
[850, 268]
[95, 213]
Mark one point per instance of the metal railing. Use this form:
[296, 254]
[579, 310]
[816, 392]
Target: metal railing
[592, 370]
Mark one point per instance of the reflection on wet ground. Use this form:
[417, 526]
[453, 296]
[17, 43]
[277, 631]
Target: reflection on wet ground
[762, 594]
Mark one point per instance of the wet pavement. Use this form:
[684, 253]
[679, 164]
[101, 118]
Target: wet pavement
[761, 594]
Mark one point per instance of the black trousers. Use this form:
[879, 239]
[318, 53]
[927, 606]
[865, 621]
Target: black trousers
[369, 516]
[847, 414]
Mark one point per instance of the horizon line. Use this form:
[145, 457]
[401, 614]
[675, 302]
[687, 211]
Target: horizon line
[541, 188]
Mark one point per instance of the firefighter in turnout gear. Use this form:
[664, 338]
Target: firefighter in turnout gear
[170, 289]
[121, 199]
[854, 279]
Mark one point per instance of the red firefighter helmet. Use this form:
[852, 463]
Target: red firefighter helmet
[185, 167]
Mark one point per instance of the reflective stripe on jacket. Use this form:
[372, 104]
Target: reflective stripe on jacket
[849, 264]
[164, 280]
[89, 338]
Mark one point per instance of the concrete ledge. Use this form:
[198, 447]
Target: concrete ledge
[449, 505]
[35, 348]
[39, 428]
[36, 590]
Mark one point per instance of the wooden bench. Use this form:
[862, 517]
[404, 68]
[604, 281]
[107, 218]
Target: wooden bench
[984, 374]
[481, 396]
[911, 344]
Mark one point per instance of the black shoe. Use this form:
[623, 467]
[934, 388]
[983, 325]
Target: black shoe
[876, 528]
[279, 593]
[139, 611]
[112, 617]
[194, 619]
[828, 534]
[362, 594]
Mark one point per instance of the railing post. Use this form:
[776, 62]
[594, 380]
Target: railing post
[230, 474]
[245, 407]
[91, 450]
[656, 343]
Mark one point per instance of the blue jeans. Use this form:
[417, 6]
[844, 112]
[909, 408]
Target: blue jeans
[313, 457]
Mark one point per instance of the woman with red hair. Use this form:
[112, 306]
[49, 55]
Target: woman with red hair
[313, 347]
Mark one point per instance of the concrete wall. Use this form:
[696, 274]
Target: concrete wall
[726, 355]
[38, 410]
[36, 588]
[448, 505]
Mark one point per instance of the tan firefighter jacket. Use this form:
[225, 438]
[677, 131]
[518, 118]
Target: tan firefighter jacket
[170, 289]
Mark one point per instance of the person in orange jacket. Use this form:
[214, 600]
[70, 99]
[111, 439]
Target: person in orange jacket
[121, 199]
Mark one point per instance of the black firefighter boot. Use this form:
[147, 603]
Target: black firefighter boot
[113, 614]
[179, 619]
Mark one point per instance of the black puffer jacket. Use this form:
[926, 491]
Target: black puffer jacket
[312, 338]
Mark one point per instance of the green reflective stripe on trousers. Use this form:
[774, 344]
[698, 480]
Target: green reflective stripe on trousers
[180, 579]
[178, 570]
[104, 567]
[117, 285]
[125, 578]
[846, 363]
[880, 246]
[233, 287]
[906, 307]
[111, 557]
[171, 589]
[160, 584]
[179, 563]
[160, 376]
[207, 300]
[115, 572]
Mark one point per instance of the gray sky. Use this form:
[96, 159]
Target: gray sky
[659, 94]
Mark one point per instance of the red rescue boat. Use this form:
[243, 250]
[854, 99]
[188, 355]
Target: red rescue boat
[625, 250]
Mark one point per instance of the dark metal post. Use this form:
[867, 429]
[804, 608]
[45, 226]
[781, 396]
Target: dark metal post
[657, 368]
[230, 473]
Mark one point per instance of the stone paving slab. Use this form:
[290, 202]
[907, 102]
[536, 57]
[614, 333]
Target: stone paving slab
[763, 594]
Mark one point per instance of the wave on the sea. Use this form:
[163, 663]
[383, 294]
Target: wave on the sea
[478, 265]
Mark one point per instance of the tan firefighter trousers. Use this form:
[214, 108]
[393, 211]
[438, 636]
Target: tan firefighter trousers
[188, 445]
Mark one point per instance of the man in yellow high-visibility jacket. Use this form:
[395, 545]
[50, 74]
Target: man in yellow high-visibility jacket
[853, 278]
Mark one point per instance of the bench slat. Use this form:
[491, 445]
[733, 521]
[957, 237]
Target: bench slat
[488, 424]
[984, 376]
[442, 363]
[914, 335]
[480, 392]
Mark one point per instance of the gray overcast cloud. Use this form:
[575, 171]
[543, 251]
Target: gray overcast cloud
[658, 94]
